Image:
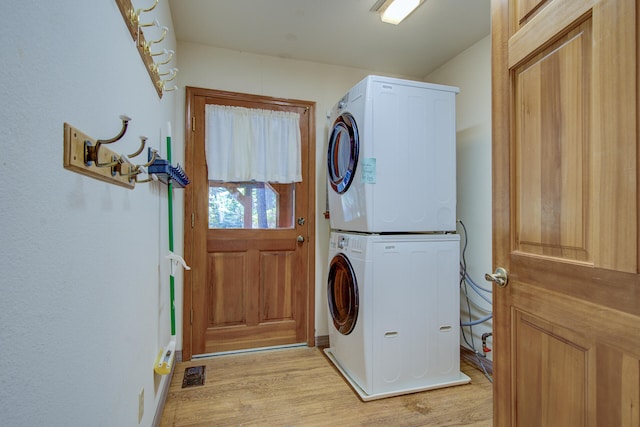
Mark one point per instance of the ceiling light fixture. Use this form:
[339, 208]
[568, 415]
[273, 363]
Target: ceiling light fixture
[394, 11]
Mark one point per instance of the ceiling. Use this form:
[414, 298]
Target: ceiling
[337, 32]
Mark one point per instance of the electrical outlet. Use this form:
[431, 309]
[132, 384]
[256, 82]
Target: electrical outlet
[140, 405]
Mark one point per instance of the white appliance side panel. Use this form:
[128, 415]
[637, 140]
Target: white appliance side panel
[423, 306]
[444, 138]
[415, 339]
[413, 143]
[422, 162]
[446, 286]
[390, 147]
[389, 338]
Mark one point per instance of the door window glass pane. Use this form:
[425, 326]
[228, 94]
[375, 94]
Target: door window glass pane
[251, 205]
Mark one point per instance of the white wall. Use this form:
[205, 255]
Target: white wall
[471, 72]
[213, 68]
[84, 291]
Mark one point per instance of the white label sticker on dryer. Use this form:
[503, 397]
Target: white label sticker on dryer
[369, 170]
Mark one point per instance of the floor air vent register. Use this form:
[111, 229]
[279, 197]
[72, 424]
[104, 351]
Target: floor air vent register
[193, 376]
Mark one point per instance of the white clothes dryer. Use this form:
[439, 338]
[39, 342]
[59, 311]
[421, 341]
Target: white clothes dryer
[392, 157]
[394, 312]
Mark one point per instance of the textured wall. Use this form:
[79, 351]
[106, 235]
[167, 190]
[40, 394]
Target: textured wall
[84, 287]
[471, 72]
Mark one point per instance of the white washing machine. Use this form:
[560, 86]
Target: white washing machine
[394, 312]
[392, 157]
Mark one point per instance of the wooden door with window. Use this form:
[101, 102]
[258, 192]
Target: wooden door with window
[250, 244]
[565, 177]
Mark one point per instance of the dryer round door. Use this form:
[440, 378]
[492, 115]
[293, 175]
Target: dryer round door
[342, 294]
[342, 158]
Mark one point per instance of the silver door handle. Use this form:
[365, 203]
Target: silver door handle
[300, 239]
[500, 277]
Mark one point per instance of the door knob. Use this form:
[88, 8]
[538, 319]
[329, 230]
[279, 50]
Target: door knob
[300, 239]
[500, 277]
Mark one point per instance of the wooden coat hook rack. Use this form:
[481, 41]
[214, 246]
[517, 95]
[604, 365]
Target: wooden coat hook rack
[131, 17]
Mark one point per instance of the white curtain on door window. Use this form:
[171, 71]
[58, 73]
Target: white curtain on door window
[246, 144]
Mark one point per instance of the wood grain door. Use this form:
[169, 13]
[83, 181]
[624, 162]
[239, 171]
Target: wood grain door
[249, 287]
[565, 162]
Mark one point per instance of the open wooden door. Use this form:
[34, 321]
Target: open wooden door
[565, 162]
[250, 244]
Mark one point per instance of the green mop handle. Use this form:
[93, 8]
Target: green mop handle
[170, 200]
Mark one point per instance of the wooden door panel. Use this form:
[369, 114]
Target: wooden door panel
[525, 9]
[247, 337]
[616, 291]
[618, 377]
[228, 303]
[543, 27]
[278, 240]
[253, 293]
[277, 301]
[603, 325]
[575, 366]
[551, 142]
[565, 174]
[545, 353]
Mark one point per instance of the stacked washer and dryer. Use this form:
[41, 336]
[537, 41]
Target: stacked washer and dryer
[393, 283]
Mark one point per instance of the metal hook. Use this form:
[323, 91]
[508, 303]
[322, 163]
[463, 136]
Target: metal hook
[139, 11]
[155, 23]
[150, 177]
[173, 72]
[170, 89]
[146, 46]
[133, 174]
[156, 65]
[118, 169]
[114, 162]
[92, 153]
[153, 159]
[134, 18]
[125, 123]
[143, 142]
[164, 34]
[169, 57]
[163, 52]
[162, 82]
[134, 15]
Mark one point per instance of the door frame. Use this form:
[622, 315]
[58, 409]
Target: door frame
[189, 201]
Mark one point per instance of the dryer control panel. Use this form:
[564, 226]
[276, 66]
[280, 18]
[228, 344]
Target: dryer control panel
[348, 243]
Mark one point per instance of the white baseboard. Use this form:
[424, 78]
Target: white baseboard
[165, 392]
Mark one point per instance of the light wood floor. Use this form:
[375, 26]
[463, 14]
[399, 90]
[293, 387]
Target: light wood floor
[300, 387]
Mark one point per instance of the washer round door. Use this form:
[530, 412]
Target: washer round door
[342, 158]
[342, 294]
